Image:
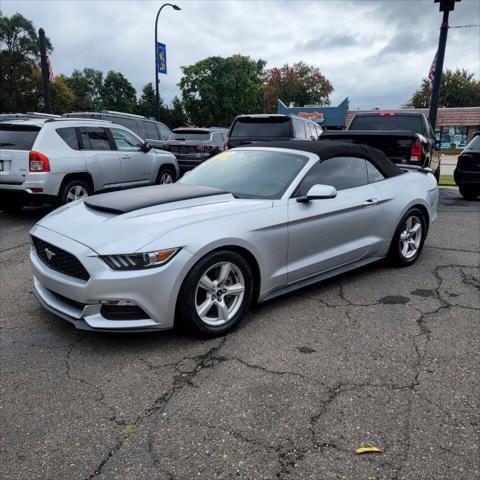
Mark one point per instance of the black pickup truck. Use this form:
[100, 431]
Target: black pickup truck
[405, 137]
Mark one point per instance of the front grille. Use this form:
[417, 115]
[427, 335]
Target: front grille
[59, 260]
[123, 312]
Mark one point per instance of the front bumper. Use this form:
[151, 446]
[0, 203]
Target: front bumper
[154, 290]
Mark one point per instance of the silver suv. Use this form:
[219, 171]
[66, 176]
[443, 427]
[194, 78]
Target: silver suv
[60, 160]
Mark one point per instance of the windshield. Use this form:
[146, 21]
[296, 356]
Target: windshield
[277, 127]
[248, 173]
[474, 145]
[17, 137]
[190, 135]
[386, 122]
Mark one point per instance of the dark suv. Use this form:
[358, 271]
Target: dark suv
[261, 128]
[193, 146]
[155, 133]
[467, 172]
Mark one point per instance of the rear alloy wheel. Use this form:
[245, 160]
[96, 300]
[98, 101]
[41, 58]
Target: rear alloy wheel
[469, 192]
[409, 237]
[74, 190]
[216, 293]
[165, 176]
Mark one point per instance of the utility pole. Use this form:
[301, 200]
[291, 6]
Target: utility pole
[446, 6]
[47, 107]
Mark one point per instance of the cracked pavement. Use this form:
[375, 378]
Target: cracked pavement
[379, 356]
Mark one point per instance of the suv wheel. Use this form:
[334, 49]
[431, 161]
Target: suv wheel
[407, 243]
[216, 294]
[165, 175]
[469, 192]
[74, 190]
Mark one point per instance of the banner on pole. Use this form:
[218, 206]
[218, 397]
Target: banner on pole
[161, 58]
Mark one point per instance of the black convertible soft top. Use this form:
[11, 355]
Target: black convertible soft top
[326, 149]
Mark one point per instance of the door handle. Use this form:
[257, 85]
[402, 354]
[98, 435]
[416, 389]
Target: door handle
[125, 156]
[369, 202]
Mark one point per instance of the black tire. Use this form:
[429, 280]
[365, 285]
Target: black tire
[469, 192]
[396, 254]
[64, 195]
[191, 294]
[163, 173]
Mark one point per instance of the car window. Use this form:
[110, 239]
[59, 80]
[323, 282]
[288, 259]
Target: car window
[259, 127]
[164, 131]
[125, 141]
[17, 137]
[150, 131]
[69, 136]
[200, 135]
[339, 172]
[474, 145]
[248, 173]
[129, 123]
[218, 138]
[299, 127]
[374, 175]
[386, 121]
[94, 138]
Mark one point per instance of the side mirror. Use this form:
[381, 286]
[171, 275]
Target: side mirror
[319, 192]
[146, 147]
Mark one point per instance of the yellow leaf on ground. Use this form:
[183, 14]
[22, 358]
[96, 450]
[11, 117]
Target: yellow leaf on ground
[368, 450]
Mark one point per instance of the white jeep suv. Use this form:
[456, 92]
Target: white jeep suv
[60, 160]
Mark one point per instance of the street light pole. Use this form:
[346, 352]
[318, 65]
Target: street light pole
[157, 95]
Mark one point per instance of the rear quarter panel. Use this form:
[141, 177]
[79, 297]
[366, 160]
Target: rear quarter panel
[398, 195]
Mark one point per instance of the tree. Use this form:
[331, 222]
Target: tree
[216, 89]
[146, 104]
[176, 116]
[301, 84]
[19, 55]
[86, 85]
[117, 93]
[459, 88]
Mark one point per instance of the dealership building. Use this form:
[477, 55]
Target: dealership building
[455, 126]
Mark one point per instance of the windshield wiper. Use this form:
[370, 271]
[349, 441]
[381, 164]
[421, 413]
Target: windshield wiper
[7, 144]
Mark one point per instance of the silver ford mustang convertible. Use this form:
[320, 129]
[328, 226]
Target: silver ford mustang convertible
[247, 225]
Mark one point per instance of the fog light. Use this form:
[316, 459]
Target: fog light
[119, 303]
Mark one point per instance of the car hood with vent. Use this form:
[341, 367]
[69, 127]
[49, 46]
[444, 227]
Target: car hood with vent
[150, 218]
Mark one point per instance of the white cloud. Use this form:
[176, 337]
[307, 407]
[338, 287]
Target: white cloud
[374, 52]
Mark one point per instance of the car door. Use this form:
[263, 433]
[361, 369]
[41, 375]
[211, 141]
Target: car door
[328, 233]
[137, 165]
[101, 159]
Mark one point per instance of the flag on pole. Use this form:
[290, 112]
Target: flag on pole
[51, 75]
[431, 74]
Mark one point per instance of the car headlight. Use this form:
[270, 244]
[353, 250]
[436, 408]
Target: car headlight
[138, 261]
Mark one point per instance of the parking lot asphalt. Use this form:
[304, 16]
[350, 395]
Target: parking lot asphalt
[380, 357]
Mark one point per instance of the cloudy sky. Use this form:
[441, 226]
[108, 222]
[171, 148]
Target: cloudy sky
[375, 52]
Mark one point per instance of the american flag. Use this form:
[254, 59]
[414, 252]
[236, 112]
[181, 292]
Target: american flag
[431, 74]
[51, 75]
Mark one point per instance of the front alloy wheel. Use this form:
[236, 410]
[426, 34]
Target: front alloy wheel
[220, 293]
[216, 293]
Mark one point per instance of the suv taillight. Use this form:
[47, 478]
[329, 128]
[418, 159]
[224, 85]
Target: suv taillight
[416, 151]
[225, 146]
[205, 148]
[38, 162]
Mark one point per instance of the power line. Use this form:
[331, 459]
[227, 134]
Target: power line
[465, 26]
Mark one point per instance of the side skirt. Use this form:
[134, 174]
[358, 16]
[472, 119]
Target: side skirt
[317, 278]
